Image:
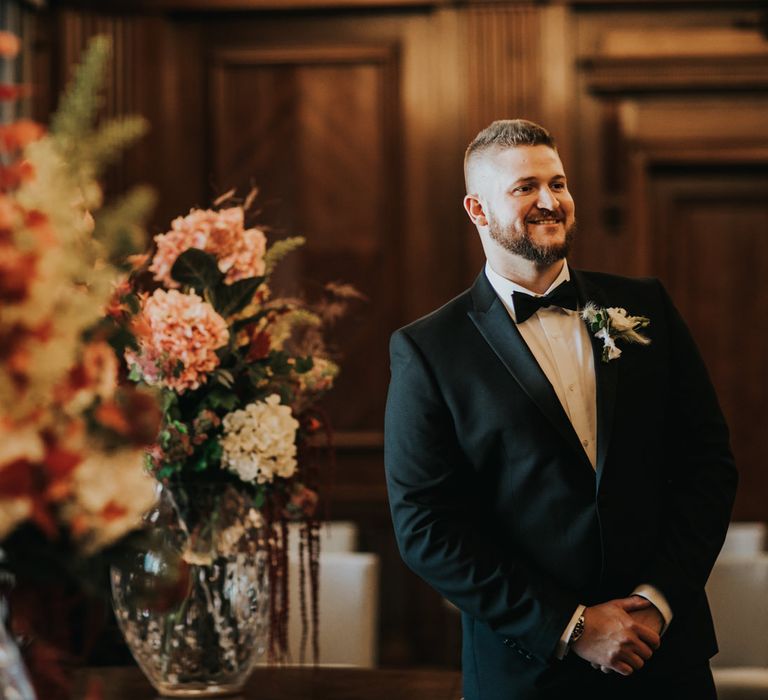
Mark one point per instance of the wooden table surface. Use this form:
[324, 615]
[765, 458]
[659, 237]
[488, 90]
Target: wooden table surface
[128, 683]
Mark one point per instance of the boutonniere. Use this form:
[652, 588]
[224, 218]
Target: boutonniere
[614, 324]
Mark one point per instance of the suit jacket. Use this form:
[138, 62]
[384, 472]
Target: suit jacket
[496, 505]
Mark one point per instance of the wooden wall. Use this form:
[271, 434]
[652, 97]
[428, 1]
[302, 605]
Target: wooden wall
[352, 118]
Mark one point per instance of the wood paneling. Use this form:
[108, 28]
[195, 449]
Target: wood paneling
[314, 126]
[710, 245]
[679, 142]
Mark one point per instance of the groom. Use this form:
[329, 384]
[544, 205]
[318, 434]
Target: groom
[568, 491]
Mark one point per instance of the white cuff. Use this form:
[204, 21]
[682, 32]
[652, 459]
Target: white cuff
[562, 645]
[649, 592]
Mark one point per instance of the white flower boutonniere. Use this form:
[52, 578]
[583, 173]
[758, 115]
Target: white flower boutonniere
[612, 324]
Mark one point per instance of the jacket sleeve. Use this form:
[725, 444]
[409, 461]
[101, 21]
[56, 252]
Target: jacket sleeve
[702, 475]
[440, 536]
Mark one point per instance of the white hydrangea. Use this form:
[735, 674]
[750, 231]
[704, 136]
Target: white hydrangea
[259, 441]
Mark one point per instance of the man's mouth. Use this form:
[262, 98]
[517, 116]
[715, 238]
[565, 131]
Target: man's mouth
[544, 222]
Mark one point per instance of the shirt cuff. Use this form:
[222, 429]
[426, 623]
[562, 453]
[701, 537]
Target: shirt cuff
[649, 592]
[562, 644]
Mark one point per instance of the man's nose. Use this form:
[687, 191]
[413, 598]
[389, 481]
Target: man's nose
[547, 199]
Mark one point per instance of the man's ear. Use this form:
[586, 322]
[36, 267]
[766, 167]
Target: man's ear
[474, 208]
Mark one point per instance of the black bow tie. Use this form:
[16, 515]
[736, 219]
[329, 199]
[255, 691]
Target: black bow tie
[564, 296]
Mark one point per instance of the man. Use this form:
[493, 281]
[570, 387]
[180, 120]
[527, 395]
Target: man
[566, 489]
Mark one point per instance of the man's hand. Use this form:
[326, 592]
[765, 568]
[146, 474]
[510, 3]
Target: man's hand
[613, 639]
[648, 616]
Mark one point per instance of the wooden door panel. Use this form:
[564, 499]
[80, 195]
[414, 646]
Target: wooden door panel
[310, 125]
[710, 247]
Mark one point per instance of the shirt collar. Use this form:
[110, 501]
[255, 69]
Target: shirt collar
[504, 287]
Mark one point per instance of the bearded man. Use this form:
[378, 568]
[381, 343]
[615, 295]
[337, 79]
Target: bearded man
[557, 463]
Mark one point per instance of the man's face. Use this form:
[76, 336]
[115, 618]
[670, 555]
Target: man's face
[527, 205]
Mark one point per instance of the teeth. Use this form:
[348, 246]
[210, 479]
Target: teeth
[544, 221]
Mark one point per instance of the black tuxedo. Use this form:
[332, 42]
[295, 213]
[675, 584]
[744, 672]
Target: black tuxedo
[497, 506]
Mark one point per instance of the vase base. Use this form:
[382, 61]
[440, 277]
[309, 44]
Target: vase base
[201, 690]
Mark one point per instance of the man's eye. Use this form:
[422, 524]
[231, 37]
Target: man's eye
[523, 189]
[558, 186]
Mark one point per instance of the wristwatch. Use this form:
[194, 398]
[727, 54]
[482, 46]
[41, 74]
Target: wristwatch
[578, 630]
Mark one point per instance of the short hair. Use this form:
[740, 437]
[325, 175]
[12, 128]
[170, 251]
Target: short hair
[507, 133]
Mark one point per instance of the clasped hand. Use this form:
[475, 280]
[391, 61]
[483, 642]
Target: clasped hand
[618, 635]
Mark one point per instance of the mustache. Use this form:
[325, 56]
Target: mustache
[546, 214]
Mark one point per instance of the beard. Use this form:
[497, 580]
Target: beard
[515, 238]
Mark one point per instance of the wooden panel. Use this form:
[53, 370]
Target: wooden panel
[504, 75]
[672, 126]
[313, 126]
[710, 241]
[136, 84]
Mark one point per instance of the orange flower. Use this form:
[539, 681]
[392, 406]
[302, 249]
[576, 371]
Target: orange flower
[239, 252]
[113, 511]
[15, 136]
[116, 308]
[11, 176]
[17, 273]
[9, 44]
[110, 416]
[178, 336]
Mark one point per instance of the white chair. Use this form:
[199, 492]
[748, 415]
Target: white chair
[348, 606]
[738, 594]
[348, 603]
[335, 536]
[745, 538]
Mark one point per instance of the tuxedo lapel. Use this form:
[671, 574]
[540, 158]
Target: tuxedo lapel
[500, 332]
[606, 373]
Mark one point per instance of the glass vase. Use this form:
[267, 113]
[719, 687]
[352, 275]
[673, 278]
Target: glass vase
[194, 606]
[14, 681]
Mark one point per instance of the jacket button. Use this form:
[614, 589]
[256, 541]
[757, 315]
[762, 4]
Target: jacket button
[510, 643]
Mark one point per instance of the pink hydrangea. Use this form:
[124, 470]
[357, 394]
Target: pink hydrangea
[178, 335]
[239, 251]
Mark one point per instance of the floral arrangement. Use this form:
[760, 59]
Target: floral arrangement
[612, 324]
[72, 483]
[69, 456]
[240, 374]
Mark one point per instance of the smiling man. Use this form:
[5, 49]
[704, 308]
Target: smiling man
[566, 483]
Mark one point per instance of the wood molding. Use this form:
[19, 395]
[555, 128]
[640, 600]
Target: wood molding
[504, 66]
[169, 6]
[675, 74]
[345, 440]
[303, 54]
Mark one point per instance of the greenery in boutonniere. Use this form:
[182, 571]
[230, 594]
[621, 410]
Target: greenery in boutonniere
[612, 324]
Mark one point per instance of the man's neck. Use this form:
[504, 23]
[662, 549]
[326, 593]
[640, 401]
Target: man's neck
[526, 273]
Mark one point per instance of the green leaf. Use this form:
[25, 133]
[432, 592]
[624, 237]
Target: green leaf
[231, 298]
[213, 449]
[224, 376]
[221, 398]
[197, 269]
[258, 499]
[133, 303]
[303, 364]
[134, 374]
[200, 464]
[279, 249]
[166, 471]
[170, 401]
[181, 427]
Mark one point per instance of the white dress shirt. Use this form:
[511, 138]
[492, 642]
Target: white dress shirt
[560, 342]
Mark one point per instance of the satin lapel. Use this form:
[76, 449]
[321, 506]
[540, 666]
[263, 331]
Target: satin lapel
[493, 321]
[606, 374]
